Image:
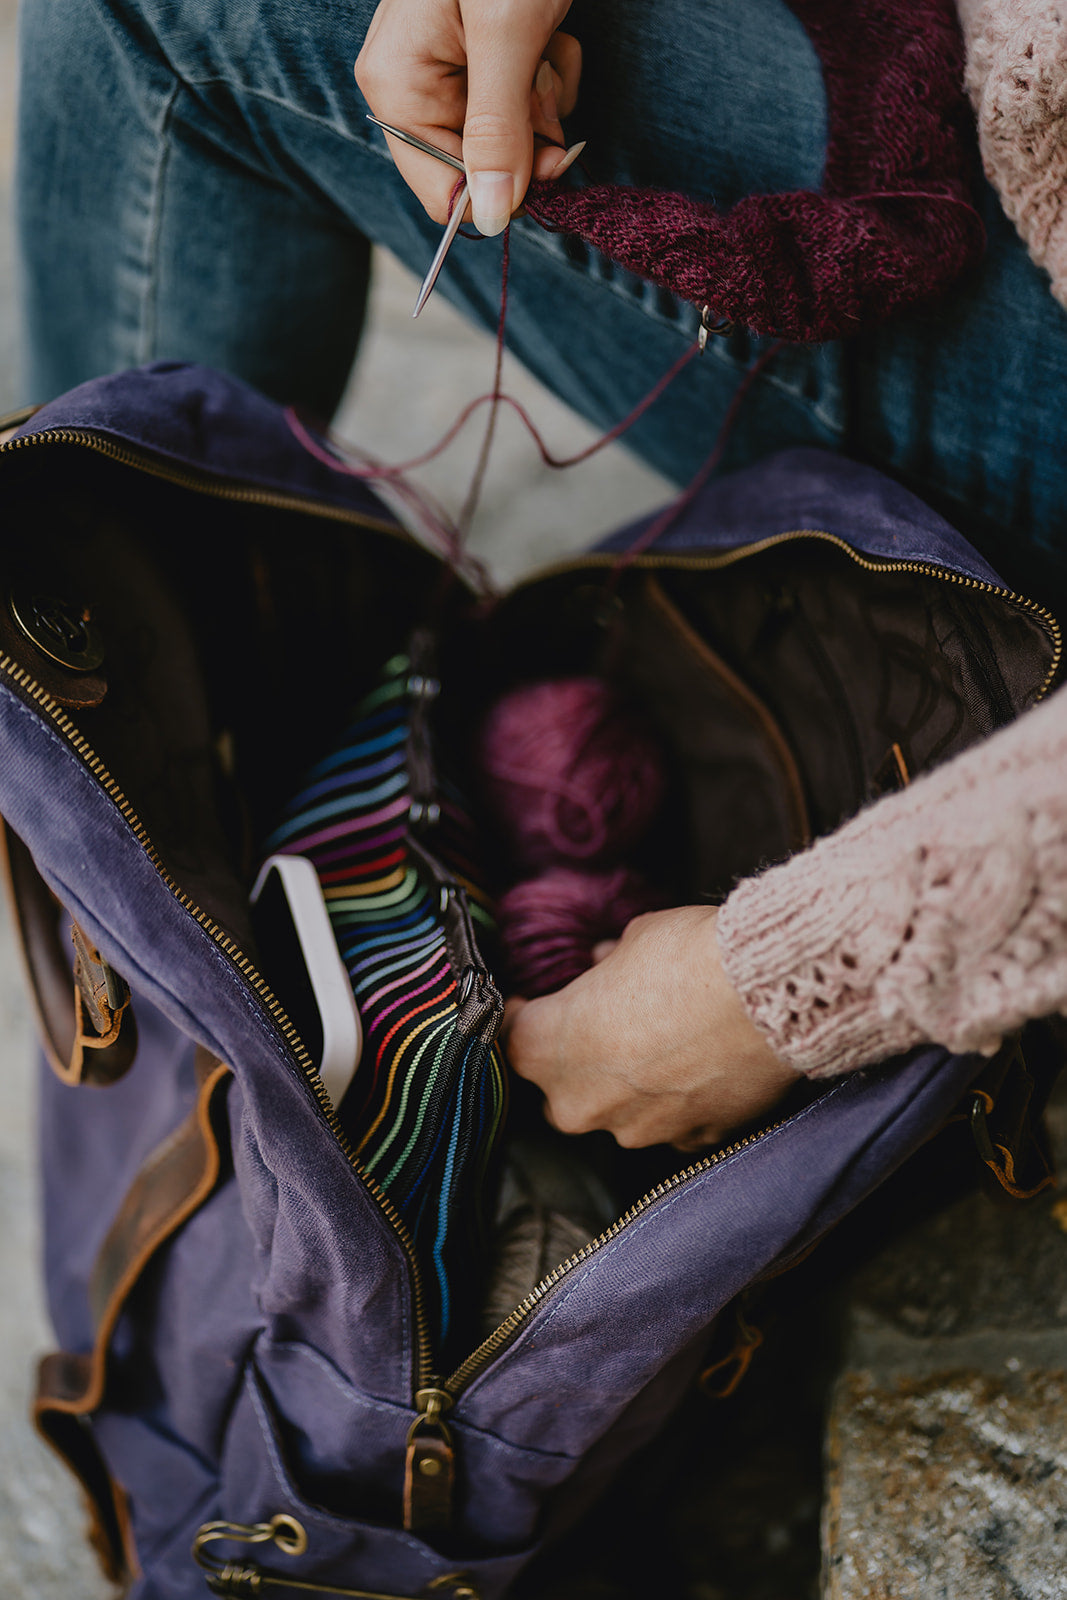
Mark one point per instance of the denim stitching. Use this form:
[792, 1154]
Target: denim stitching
[151, 254]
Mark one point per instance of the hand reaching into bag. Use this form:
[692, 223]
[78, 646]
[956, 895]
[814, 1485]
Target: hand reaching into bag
[652, 1043]
[479, 78]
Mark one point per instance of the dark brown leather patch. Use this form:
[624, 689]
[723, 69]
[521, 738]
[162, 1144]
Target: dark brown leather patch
[175, 1180]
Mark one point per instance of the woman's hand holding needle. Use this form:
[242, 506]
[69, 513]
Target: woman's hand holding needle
[462, 199]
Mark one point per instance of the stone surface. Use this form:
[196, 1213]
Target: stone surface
[947, 1444]
[951, 1487]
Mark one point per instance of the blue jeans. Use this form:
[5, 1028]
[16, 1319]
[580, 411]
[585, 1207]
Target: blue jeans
[198, 181]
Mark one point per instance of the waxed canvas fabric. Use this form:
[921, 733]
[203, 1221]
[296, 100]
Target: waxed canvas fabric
[265, 1362]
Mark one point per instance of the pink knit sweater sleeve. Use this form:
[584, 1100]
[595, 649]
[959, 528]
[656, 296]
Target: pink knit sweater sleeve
[1016, 76]
[936, 915]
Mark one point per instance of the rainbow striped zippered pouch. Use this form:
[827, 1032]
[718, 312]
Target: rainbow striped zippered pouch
[393, 847]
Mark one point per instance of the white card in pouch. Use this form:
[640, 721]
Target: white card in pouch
[303, 966]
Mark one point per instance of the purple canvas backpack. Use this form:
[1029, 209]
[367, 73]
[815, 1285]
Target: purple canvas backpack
[192, 604]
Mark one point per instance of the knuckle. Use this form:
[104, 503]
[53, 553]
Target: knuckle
[628, 1138]
[571, 1120]
[488, 127]
[367, 73]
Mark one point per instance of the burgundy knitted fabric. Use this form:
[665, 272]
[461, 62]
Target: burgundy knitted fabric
[814, 266]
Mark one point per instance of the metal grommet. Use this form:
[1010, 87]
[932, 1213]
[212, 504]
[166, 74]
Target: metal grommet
[466, 984]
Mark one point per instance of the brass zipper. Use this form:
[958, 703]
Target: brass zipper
[728, 558]
[497, 1341]
[204, 483]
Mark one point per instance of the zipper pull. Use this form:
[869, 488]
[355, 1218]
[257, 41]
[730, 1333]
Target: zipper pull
[429, 1467]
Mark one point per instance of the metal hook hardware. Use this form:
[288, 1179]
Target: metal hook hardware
[722, 329]
[234, 1579]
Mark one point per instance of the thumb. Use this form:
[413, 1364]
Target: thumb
[498, 130]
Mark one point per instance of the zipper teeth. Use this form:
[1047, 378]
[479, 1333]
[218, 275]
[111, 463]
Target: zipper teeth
[244, 494]
[729, 558]
[501, 1336]
[507, 1330]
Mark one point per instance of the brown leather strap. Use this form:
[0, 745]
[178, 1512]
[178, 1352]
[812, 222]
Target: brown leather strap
[175, 1180]
[1007, 1103]
[85, 1018]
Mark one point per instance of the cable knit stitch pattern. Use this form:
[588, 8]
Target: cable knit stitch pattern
[936, 915]
[1016, 76]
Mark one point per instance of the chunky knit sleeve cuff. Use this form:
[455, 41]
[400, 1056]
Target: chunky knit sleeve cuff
[1016, 76]
[936, 915]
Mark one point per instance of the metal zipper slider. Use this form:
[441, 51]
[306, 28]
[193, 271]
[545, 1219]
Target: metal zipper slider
[429, 1466]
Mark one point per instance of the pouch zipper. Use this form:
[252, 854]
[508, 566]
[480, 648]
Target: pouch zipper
[426, 1382]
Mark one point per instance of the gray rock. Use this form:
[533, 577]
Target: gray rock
[947, 1443]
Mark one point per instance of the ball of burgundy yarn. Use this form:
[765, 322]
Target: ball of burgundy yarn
[550, 925]
[572, 773]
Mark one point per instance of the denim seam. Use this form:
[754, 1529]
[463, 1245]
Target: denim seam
[538, 238]
[534, 235]
[287, 105]
[152, 240]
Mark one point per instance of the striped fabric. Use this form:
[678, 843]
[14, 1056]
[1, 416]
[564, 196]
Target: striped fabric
[428, 1099]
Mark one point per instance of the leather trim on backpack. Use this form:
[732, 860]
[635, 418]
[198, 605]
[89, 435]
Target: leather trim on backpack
[84, 1017]
[175, 1180]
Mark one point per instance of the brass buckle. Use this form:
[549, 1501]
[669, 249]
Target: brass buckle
[236, 1579]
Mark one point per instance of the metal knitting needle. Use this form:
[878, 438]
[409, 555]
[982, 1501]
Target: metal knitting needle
[418, 144]
[455, 221]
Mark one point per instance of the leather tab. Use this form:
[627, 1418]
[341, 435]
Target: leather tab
[79, 1049]
[103, 1019]
[104, 994]
[429, 1467]
[429, 1481]
[1006, 1115]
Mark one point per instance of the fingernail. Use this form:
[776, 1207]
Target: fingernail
[545, 86]
[568, 160]
[491, 196]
